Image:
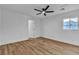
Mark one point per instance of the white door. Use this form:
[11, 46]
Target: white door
[31, 28]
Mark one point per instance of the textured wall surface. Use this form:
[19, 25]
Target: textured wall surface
[53, 28]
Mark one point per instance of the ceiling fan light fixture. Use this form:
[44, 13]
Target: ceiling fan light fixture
[43, 10]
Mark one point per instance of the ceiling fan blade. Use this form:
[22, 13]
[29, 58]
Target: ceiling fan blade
[47, 7]
[44, 14]
[38, 10]
[49, 11]
[38, 13]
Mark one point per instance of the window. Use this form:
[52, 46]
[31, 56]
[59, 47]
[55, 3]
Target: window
[71, 23]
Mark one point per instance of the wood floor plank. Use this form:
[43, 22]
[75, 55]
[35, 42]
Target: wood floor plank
[43, 51]
[39, 46]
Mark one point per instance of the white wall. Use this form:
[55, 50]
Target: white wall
[1, 26]
[34, 28]
[15, 27]
[53, 28]
[38, 28]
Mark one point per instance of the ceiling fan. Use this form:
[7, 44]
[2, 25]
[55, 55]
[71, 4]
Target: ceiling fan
[43, 10]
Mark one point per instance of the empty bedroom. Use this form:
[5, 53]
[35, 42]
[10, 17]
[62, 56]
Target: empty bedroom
[39, 29]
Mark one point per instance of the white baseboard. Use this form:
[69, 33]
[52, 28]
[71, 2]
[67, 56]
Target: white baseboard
[53, 38]
[69, 42]
[8, 42]
[17, 40]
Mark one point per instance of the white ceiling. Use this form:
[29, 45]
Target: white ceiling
[28, 9]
